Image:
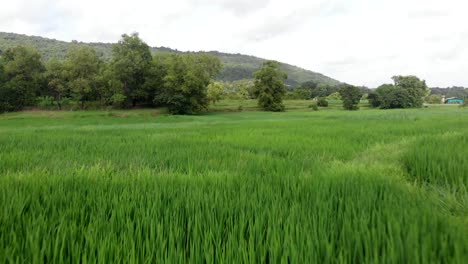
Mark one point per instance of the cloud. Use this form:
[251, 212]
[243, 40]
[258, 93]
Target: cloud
[359, 41]
[237, 7]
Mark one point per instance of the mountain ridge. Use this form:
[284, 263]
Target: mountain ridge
[236, 66]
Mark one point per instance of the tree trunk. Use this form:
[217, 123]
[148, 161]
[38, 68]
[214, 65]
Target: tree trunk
[59, 102]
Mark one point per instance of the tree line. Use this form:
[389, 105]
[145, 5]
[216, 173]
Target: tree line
[132, 77]
[182, 82]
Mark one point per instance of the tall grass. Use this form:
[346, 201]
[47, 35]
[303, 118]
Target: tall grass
[440, 160]
[239, 187]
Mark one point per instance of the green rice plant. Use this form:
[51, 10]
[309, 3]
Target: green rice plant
[324, 187]
[440, 160]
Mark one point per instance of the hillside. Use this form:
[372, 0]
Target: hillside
[236, 66]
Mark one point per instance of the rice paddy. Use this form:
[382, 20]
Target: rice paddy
[139, 186]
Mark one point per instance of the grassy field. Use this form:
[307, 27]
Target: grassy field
[303, 186]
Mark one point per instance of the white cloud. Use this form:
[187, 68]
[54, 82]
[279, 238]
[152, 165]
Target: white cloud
[362, 42]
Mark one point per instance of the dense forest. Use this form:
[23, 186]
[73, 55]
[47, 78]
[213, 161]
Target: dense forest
[235, 66]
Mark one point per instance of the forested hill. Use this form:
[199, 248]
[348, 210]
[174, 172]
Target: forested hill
[236, 66]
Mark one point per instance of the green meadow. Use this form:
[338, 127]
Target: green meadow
[303, 186]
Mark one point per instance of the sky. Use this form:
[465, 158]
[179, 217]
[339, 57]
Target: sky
[361, 42]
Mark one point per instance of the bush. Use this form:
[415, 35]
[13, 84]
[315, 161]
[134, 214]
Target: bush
[334, 96]
[314, 107]
[66, 102]
[433, 99]
[322, 102]
[351, 96]
[46, 102]
[118, 100]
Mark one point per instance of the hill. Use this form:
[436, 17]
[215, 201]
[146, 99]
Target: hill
[236, 66]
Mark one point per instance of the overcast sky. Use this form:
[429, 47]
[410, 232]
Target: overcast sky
[362, 42]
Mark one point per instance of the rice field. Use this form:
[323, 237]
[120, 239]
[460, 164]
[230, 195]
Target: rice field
[370, 186]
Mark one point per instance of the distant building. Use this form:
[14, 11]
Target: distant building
[453, 100]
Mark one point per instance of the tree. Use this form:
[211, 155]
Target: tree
[406, 92]
[22, 75]
[185, 85]
[374, 99]
[391, 96]
[154, 82]
[215, 92]
[56, 80]
[269, 86]
[334, 96]
[416, 89]
[351, 97]
[322, 102]
[82, 69]
[110, 88]
[434, 99]
[302, 94]
[131, 63]
[321, 90]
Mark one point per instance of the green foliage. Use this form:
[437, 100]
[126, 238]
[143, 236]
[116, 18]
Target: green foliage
[118, 100]
[154, 83]
[334, 96]
[83, 66]
[301, 94]
[351, 96]
[241, 90]
[314, 106]
[56, 77]
[390, 96]
[322, 102]
[416, 89]
[22, 77]
[185, 85]
[269, 86]
[215, 92]
[320, 89]
[374, 99]
[433, 99]
[110, 90]
[46, 102]
[131, 63]
[406, 92]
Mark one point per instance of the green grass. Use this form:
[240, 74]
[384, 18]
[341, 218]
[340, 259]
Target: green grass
[303, 187]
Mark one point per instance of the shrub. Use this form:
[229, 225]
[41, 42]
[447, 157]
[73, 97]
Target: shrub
[314, 107]
[433, 99]
[46, 102]
[322, 102]
[118, 100]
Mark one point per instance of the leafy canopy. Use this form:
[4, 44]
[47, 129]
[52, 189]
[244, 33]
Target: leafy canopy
[22, 74]
[269, 86]
[186, 81]
[406, 92]
[131, 63]
[351, 96]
